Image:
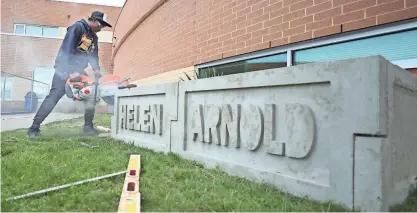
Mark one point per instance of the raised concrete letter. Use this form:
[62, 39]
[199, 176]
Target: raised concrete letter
[211, 124]
[137, 118]
[123, 117]
[274, 147]
[301, 130]
[145, 118]
[230, 119]
[251, 127]
[156, 118]
[131, 118]
[197, 123]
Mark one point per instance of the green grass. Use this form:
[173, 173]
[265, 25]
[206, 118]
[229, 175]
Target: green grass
[409, 205]
[168, 182]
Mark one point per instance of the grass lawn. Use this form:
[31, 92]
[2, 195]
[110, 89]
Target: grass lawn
[168, 183]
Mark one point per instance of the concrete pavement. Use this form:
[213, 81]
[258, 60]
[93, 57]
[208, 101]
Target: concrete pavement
[23, 121]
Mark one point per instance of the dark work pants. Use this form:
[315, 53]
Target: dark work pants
[55, 94]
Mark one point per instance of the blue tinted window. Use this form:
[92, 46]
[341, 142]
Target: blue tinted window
[398, 46]
[19, 29]
[263, 63]
[33, 30]
[50, 31]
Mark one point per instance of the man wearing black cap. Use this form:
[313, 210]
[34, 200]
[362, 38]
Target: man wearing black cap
[79, 48]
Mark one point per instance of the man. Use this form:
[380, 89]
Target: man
[79, 48]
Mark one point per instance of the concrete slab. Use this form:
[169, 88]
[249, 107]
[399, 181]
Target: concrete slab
[342, 131]
[23, 121]
[151, 110]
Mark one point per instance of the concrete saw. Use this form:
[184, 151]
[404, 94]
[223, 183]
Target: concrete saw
[83, 88]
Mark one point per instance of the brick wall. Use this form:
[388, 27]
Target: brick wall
[132, 14]
[182, 33]
[21, 54]
[47, 12]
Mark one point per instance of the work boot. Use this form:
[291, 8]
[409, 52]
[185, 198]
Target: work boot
[34, 132]
[90, 131]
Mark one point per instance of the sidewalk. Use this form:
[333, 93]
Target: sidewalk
[23, 121]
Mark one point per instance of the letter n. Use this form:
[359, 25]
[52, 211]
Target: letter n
[156, 118]
[230, 131]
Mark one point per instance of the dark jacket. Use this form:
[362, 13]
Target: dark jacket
[79, 48]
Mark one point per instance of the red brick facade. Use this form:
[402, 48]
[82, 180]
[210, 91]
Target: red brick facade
[48, 12]
[21, 54]
[156, 36]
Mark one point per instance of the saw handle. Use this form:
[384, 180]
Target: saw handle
[75, 79]
[128, 86]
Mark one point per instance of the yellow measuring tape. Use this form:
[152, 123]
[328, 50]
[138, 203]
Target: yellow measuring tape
[130, 197]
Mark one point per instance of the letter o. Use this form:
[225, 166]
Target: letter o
[252, 127]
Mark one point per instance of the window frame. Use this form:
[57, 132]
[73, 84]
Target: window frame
[379, 30]
[24, 29]
[245, 59]
[36, 25]
[51, 27]
[33, 25]
[3, 85]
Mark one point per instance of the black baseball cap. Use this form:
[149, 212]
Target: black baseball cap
[101, 17]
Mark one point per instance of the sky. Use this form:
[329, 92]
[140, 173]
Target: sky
[98, 2]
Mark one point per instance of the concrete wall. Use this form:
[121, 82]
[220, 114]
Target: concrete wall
[341, 131]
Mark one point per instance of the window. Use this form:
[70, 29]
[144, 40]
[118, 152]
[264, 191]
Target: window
[6, 88]
[19, 29]
[36, 30]
[262, 63]
[33, 30]
[397, 46]
[50, 31]
[43, 80]
[105, 36]
[397, 42]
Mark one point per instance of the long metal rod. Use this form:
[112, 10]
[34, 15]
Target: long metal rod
[65, 186]
[24, 78]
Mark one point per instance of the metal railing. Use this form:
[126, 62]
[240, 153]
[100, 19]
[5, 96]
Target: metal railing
[20, 94]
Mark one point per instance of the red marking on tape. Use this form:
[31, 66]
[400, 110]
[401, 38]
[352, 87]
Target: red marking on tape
[132, 172]
[131, 186]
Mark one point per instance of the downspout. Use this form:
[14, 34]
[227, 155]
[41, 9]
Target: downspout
[142, 19]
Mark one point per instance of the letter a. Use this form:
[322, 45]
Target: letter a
[197, 123]
[212, 124]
